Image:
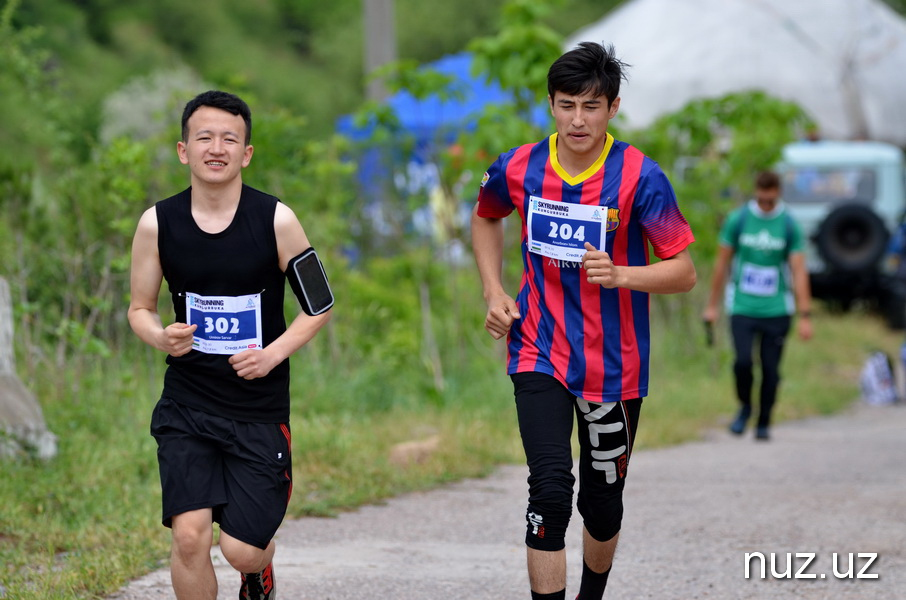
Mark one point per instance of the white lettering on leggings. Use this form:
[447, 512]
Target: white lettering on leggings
[603, 460]
[537, 522]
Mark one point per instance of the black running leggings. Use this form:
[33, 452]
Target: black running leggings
[606, 431]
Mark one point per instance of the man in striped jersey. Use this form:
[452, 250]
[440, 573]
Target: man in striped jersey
[578, 330]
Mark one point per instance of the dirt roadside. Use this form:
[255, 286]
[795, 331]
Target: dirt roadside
[822, 492]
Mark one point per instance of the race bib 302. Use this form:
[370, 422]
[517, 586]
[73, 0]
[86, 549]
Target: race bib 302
[226, 324]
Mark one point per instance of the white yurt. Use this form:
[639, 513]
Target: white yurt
[843, 61]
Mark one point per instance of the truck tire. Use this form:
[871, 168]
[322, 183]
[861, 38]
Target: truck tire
[852, 238]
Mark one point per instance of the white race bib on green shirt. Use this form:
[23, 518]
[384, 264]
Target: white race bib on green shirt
[759, 281]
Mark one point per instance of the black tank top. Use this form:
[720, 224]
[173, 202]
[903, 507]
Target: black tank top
[238, 261]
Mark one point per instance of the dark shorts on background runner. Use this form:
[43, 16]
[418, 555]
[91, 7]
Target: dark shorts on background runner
[243, 471]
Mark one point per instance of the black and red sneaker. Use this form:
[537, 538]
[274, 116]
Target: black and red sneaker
[259, 586]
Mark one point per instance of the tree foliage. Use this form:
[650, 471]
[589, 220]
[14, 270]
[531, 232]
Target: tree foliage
[713, 148]
[518, 57]
[69, 216]
[94, 148]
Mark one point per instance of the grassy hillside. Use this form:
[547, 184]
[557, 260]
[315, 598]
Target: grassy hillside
[303, 55]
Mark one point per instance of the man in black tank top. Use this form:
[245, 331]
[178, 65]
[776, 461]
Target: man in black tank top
[222, 422]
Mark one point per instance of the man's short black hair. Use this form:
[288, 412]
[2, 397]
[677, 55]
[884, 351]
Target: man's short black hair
[224, 101]
[591, 67]
[767, 180]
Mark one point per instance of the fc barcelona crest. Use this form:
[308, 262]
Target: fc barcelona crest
[613, 219]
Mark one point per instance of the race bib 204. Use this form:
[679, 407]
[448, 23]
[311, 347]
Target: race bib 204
[560, 229]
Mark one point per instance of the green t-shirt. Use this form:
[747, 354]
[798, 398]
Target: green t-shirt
[760, 281]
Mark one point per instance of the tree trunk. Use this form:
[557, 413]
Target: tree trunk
[7, 358]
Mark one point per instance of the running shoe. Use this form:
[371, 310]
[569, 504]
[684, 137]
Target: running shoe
[259, 586]
[739, 423]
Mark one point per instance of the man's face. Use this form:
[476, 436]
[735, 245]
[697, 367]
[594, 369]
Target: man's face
[582, 123]
[767, 198]
[215, 147]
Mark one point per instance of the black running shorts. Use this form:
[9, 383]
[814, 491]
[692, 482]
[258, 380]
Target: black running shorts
[243, 471]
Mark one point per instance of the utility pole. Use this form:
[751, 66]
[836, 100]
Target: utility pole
[380, 42]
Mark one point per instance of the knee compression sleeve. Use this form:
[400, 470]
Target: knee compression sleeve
[546, 528]
[605, 520]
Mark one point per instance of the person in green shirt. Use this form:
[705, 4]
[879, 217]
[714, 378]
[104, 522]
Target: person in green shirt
[761, 250]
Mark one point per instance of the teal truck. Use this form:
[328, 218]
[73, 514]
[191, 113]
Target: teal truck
[850, 200]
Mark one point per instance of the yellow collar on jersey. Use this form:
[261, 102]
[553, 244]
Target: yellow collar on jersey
[555, 162]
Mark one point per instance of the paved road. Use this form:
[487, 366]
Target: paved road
[820, 487]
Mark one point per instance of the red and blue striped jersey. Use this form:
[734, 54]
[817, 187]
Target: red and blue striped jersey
[594, 340]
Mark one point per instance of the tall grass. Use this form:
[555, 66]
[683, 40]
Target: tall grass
[73, 527]
[692, 389]
[82, 524]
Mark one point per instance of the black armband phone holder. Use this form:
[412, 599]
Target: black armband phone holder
[309, 282]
